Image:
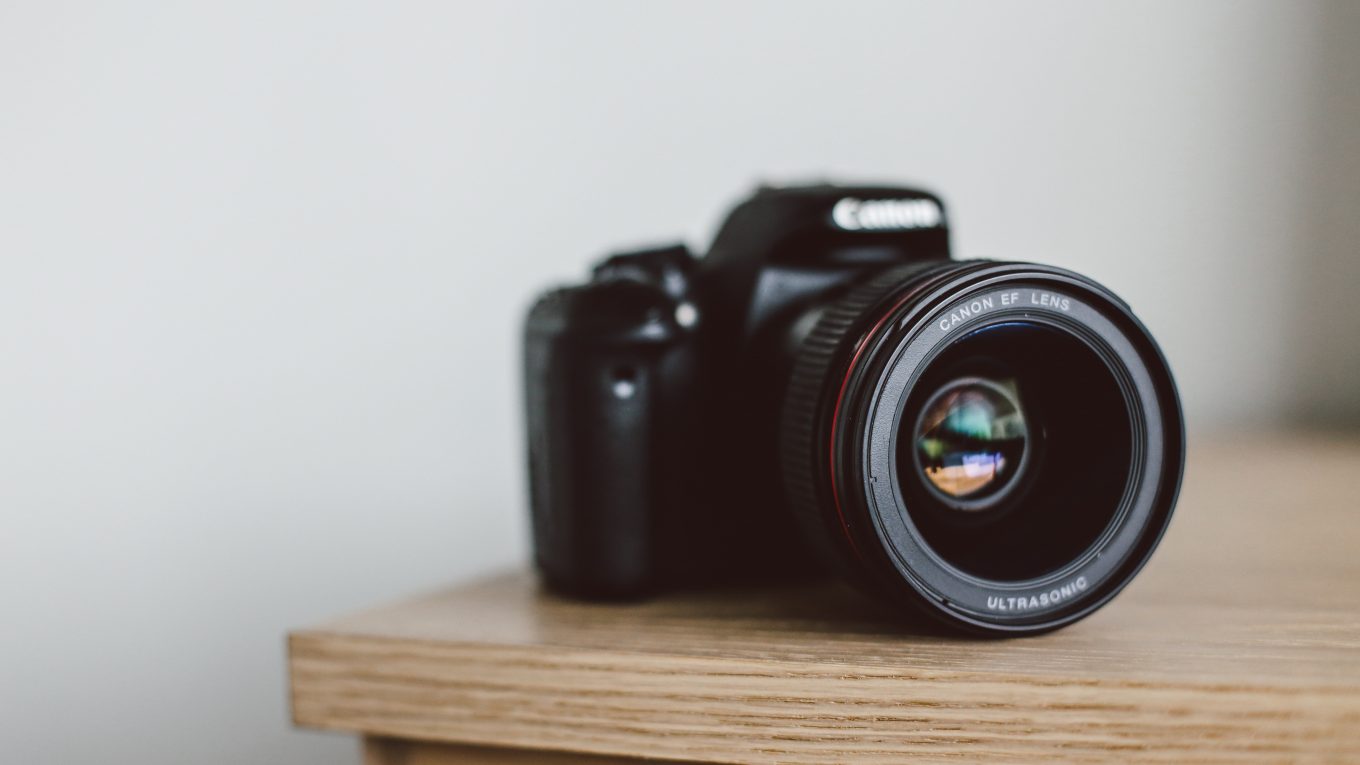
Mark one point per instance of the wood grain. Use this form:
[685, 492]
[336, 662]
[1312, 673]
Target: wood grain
[1239, 642]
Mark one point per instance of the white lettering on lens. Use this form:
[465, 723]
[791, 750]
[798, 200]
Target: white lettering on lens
[886, 214]
[963, 312]
[1049, 300]
[1040, 600]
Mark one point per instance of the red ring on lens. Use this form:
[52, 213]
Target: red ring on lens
[860, 346]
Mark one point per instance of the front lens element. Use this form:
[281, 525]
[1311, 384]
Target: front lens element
[971, 438]
[1019, 450]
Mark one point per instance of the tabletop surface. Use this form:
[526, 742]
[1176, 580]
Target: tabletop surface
[1240, 640]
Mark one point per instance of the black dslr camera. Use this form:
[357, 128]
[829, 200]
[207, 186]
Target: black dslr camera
[997, 444]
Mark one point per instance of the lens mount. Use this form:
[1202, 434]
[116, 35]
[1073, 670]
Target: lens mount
[1073, 524]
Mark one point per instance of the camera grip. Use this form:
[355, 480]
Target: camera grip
[593, 365]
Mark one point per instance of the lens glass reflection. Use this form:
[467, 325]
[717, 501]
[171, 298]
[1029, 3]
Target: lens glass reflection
[1014, 450]
[971, 438]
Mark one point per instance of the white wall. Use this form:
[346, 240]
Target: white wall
[262, 266]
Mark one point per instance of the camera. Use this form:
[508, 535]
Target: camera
[995, 444]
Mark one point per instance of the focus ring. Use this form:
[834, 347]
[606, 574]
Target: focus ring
[818, 370]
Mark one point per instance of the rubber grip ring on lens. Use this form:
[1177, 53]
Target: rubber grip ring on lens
[818, 371]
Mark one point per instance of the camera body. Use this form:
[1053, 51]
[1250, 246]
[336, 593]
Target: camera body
[654, 389]
[999, 445]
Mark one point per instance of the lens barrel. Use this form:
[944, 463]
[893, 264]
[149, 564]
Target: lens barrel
[998, 444]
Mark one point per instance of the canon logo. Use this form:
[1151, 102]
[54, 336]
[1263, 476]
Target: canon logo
[879, 214]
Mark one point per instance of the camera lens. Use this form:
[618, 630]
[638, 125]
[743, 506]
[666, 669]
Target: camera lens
[1061, 492]
[998, 444]
[970, 440]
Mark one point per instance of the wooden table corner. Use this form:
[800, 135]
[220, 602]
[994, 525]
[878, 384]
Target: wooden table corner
[1239, 642]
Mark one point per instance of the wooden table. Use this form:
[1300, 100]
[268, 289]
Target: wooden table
[1239, 642]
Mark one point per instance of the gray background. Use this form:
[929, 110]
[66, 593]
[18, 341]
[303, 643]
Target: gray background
[263, 265]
